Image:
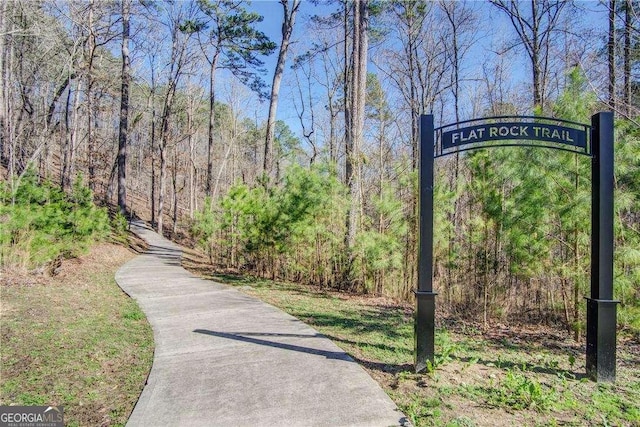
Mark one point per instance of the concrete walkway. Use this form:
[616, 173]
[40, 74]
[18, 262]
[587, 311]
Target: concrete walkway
[223, 358]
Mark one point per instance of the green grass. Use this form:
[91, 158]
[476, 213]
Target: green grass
[75, 340]
[514, 377]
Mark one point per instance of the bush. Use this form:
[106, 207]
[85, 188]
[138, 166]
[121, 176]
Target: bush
[291, 225]
[41, 223]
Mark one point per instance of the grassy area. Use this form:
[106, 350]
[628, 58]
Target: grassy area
[74, 339]
[502, 377]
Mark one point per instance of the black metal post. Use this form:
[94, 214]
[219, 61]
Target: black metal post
[426, 307]
[601, 308]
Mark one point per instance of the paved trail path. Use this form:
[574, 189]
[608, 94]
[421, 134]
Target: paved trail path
[223, 358]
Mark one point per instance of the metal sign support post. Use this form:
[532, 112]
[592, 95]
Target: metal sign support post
[426, 298]
[547, 133]
[601, 308]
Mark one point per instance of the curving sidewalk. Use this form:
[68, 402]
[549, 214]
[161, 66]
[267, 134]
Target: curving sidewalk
[223, 358]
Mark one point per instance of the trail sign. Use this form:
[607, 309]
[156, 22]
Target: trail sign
[595, 141]
[514, 131]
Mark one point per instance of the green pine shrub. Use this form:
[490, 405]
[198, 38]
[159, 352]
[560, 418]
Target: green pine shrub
[41, 223]
[287, 231]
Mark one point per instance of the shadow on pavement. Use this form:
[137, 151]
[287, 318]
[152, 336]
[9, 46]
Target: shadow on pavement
[241, 336]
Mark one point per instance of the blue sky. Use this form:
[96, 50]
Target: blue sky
[494, 28]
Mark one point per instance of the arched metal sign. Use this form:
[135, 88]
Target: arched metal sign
[595, 141]
[518, 131]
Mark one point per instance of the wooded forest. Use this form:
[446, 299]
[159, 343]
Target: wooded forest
[172, 111]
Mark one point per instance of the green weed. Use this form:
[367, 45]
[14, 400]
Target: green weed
[421, 410]
[461, 422]
[518, 391]
[133, 313]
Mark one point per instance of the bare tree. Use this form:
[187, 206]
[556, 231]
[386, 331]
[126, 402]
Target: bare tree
[178, 60]
[231, 43]
[419, 70]
[305, 107]
[322, 66]
[288, 22]
[95, 25]
[152, 53]
[535, 29]
[461, 21]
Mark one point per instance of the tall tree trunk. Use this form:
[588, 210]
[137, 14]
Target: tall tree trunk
[124, 111]
[212, 117]
[415, 105]
[163, 179]
[360, 89]
[74, 144]
[413, 97]
[192, 167]
[91, 47]
[333, 155]
[193, 206]
[52, 105]
[167, 111]
[164, 143]
[358, 83]
[348, 127]
[9, 143]
[174, 182]
[450, 11]
[379, 275]
[535, 58]
[611, 54]
[287, 28]
[71, 130]
[65, 148]
[111, 182]
[627, 56]
[4, 81]
[153, 151]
